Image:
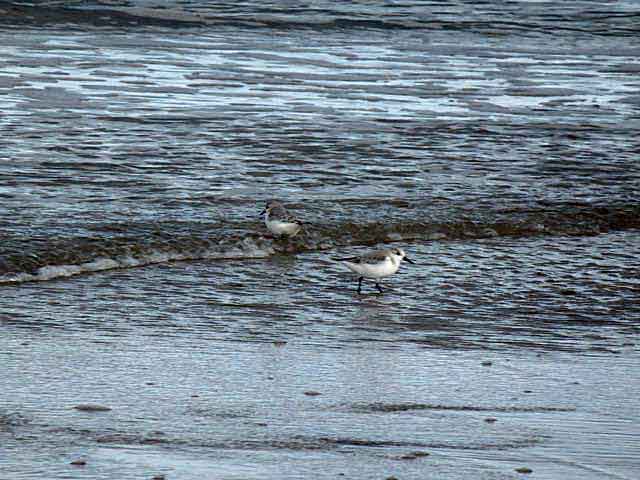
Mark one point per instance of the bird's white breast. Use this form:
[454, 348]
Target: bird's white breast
[380, 269]
[278, 227]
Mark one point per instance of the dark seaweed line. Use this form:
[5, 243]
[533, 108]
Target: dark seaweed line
[295, 443]
[435, 445]
[404, 407]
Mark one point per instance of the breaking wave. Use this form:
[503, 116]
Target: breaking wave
[272, 15]
[26, 261]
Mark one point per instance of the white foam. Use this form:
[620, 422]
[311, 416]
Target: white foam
[247, 249]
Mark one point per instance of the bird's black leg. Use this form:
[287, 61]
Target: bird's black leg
[379, 287]
[360, 284]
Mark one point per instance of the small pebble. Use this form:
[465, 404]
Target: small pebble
[91, 407]
[487, 363]
[524, 470]
[78, 462]
[279, 343]
[159, 477]
[421, 454]
[490, 420]
[413, 455]
[527, 391]
[408, 456]
[391, 478]
[312, 393]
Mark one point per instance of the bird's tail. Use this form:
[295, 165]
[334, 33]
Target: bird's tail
[304, 226]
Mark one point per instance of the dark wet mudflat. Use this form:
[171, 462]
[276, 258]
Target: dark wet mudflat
[148, 327]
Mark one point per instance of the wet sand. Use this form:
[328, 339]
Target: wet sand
[233, 375]
[240, 411]
[147, 325]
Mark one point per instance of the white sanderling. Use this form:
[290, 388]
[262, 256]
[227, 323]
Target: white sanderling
[279, 221]
[376, 265]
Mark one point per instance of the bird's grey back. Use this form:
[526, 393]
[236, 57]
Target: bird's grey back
[374, 257]
[278, 211]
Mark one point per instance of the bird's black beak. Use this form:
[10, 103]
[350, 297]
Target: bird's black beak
[409, 260]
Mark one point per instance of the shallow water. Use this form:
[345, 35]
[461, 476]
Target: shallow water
[496, 144]
[210, 368]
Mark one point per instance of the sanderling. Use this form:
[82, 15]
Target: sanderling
[279, 221]
[376, 265]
